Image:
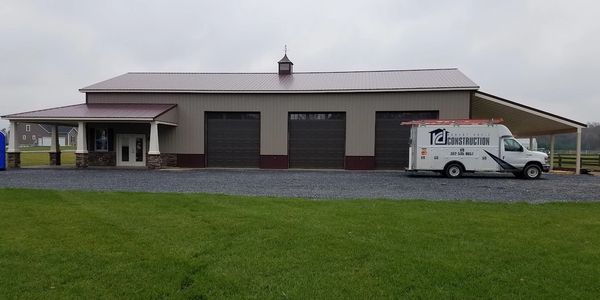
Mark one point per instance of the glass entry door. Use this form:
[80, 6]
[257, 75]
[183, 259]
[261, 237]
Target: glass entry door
[131, 150]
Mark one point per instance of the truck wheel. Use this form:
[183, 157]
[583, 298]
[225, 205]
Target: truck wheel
[532, 171]
[453, 171]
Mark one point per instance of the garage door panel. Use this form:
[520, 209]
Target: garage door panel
[233, 139]
[392, 138]
[317, 140]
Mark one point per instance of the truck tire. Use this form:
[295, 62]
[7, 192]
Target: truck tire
[532, 171]
[453, 170]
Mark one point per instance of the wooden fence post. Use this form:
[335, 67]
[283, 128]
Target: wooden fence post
[559, 161]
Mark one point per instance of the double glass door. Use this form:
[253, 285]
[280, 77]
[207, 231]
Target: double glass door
[131, 150]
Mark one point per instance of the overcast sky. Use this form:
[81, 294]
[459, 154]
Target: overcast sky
[540, 53]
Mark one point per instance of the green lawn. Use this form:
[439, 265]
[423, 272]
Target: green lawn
[43, 158]
[46, 148]
[83, 245]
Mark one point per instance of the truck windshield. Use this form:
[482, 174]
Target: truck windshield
[512, 145]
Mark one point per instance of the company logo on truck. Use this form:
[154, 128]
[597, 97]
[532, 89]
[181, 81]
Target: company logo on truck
[438, 137]
[441, 137]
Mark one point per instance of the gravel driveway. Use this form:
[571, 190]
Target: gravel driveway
[314, 184]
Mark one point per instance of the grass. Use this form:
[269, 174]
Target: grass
[43, 158]
[45, 148]
[67, 244]
[29, 156]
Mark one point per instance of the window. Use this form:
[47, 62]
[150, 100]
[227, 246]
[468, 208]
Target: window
[101, 139]
[407, 115]
[27, 128]
[512, 145]
[33, 138]
[232, 115]
[316, 116]
[24, 137]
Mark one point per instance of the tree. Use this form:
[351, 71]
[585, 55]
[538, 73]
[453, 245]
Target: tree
[590, 139]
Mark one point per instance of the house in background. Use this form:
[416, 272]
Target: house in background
[31, 134]
[285, 119]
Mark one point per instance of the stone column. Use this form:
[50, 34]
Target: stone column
[13, 154]
[153, 161]
[54, 147]
[81, 154]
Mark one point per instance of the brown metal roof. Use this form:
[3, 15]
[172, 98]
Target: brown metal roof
[97, 111]
[298, 82]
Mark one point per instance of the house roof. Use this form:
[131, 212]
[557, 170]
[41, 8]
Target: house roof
[97, 112]
[61, 129]
[299, 82]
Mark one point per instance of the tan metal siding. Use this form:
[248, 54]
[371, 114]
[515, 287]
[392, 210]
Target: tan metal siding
[360, 109]
[167, 139]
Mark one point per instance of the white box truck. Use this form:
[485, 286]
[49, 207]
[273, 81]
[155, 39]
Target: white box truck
[453, 147]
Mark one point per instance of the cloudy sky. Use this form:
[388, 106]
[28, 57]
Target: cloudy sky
[540, 53]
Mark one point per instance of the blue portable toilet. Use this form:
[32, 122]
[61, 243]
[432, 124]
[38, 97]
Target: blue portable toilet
[2, 152]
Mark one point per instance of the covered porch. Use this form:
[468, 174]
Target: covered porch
[125, 135]
[527, 122]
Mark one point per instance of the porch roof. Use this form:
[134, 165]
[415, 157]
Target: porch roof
[101, 112]
[523, 121]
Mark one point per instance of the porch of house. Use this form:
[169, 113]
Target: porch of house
[108, 135]
[527, 122]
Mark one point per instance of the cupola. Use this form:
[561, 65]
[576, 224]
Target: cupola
[286, 66]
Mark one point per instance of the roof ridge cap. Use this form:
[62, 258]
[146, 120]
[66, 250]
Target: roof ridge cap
[201, 72]
[379, 71]
[303, 72]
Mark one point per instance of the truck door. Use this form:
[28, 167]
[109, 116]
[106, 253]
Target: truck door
[512, 152]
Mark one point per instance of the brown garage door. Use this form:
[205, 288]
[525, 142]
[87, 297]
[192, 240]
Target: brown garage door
[392, 139]
[317, 140]
[232, 139]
